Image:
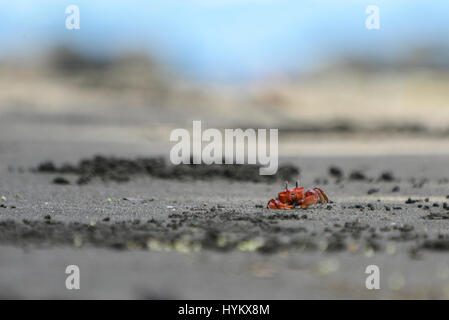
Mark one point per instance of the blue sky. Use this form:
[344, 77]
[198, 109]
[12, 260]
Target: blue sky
[227, 39]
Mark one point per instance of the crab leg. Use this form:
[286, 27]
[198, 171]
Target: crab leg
[322, 195]
[313, 197]
[309, 200]
[276, 204]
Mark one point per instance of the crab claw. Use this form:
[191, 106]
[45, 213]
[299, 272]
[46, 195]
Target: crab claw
[314, 196]
[322, 195]
[276, 204]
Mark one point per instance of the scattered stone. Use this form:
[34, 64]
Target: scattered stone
[107, 219]
[61, 181]
[396, 189]
[437, 216]
[357, 175]
[259, 206]
[386, 177]
[47, 217]
[336, 172]
[410, 200]
[373, 190]
[435, 204]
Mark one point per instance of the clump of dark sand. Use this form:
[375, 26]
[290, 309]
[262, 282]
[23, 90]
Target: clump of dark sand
[122, 170]
[61, 181]
[386, 176]
[436, 245]
[437, 216]
[357, 176]
[336, 172]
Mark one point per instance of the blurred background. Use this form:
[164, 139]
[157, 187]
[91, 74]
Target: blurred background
[136, 70]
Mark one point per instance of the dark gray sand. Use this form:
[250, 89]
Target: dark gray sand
[212, 237]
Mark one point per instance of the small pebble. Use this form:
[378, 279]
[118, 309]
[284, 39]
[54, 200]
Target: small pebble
[336, 172]
[357, 175]
[386, 176]
[61, 181]
[395, 189]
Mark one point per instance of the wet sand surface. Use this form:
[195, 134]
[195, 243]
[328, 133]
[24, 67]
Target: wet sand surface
[213, 238]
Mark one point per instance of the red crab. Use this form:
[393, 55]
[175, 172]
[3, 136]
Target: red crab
[296, 197]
